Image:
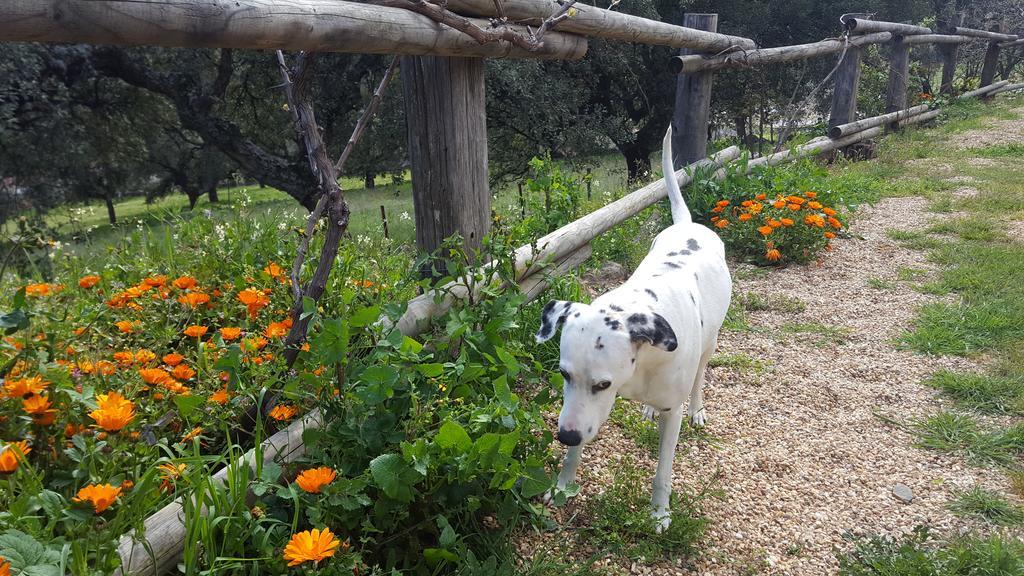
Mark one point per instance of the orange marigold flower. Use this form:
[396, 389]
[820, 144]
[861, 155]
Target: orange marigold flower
[175, 387]
[721, 223]
[830, 235]
[79, 331]
[834, 223]
[283, 412]
[745, 217]
[183, 372]
[125, 326]
[173, 359]
[101, 496]
[72, 429]
[310, 546]
[5, 567]
[747, 203]
[220, 396]
[828, 211]
[786, 222]
[37, 404]
[195, 331]
[194, 299]
[765, 230]
[717, 210]
[779, 204]
[184, 282]
[230, 333]
[114, 411]
[795, 200]
[314, 479]
[155, 281]
[12, 454]
[774, 223]
[811, 194]
[761, 196]
[273, 270]
[722, 203]
[773, 255]
[794, 207]
[255, 343]
[814, 220]
[715, 218]
[88, 281]
[24, 387]
[154, 376]
[144, 356]
[41, 290]
[814, 205]
[276, 330]
[169, 474]
[127, 484]
[254, 300]
[193, 433]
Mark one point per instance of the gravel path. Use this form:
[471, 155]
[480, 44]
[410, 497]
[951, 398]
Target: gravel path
[801, 453]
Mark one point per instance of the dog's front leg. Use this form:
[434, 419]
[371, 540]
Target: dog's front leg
[668, 430]
[567, 475]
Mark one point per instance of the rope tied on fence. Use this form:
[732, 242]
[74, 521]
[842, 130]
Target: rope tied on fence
[791, 118]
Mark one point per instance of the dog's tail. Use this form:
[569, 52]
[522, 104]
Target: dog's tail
[680, 213]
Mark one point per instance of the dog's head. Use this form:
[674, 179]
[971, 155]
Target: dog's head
[599, 350]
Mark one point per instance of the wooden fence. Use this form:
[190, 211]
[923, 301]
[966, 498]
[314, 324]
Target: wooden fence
[444, 62]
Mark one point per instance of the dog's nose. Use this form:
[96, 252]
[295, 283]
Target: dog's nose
[569, 437]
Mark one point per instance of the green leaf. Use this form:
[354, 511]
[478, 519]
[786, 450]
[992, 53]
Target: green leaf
[23, 551]
[451, 435]
[364, 316]
[13, 321]
[536, 482]
[448, 536]
[188, 404]
[392, 476]
[430, 370]
[435, 556]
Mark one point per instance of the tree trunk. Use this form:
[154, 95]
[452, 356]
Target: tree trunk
[193, 197]
[638, 163]
[369, 181]
[110, 209]
[692, 103]
[740, 125]
[447, 127]
[212, 195]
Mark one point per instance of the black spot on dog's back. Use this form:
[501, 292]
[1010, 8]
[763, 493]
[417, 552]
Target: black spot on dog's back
[692, 245]
[651, 294]
[672, 265]
[598, 344]
[692, 299]
[615, 308]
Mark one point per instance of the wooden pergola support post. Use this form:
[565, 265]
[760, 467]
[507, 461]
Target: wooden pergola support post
[447, 124]
[899, 74]
[844, 97]
[693, 103]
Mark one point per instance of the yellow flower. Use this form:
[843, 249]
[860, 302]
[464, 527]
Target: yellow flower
[12, 454]
[101, 496]
[310, 546]
[314, 479]
[143, 356]
[169, 474]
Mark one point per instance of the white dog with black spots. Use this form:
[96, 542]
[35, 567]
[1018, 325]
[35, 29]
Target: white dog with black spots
[648, 340]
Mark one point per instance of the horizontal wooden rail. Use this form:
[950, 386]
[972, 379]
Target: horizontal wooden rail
[1008, 88]
[746, 59]
[983, 90]
[1011, 44]
[936, 39]
[865, 26]
[983, 34]
[607, 24]
[311, 25]
[851, 127]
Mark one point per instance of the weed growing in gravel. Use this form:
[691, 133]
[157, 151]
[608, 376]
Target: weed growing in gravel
[820, 335]
[1016, 478]
[988, 505]
[754, 302]
[737, 319]
[629, 417]
[957, 433]
[879, 284]
[740, 362]
[1012, 150]
[914, 240]
[994, 394]
[977, 228]
[918, 555]
[622, 524]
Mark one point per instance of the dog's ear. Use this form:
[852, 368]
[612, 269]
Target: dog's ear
[553, 316]
[653, 329]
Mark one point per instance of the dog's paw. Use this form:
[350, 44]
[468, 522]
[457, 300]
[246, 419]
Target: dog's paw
[662, 520]
[697, 420]
[649, 412]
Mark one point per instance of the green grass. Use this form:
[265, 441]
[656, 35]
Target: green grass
[739, 361]
[815, 333]
[979, 502]
[914, 240]
[918, 555]
[629, 417]
[754, 302]
[620, 518]
[1012, 150]
[879, 284]
[960, 434]
[989, 393]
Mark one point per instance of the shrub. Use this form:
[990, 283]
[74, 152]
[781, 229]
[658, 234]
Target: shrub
[791, 228]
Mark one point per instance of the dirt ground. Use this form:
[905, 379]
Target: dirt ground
[804, 447]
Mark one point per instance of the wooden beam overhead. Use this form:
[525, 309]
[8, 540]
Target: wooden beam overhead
[311, 25]
[864, 26]
[937, 39]
[607, 24]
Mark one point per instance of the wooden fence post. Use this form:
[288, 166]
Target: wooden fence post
[844, 98]
[988, 69]
[447, 124]
[899, 73]
[948, 52]
[693, 103]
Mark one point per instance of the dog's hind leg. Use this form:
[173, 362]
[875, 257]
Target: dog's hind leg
[669, 423]
[696, 406]
[567, 475]
[649, 412]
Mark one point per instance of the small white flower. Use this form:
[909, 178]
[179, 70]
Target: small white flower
[404, 216]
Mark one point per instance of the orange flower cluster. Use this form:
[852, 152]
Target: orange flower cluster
[767, 230]
[254, 300]
[42, 290]
[113, 411]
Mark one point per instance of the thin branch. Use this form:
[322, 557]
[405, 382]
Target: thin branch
[500, 10]
[442, 15]
[367, 115]
[563, 13]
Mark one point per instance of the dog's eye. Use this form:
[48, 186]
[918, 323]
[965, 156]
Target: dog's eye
[565, 375]
[600, 386]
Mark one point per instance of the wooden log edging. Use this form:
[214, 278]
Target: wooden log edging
[1012, 44]
[983, 34]
[881, 120]
[607, 24]
[983, 90]
[746, 59]
[937, 39]
[310, 25]
[865, 26]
